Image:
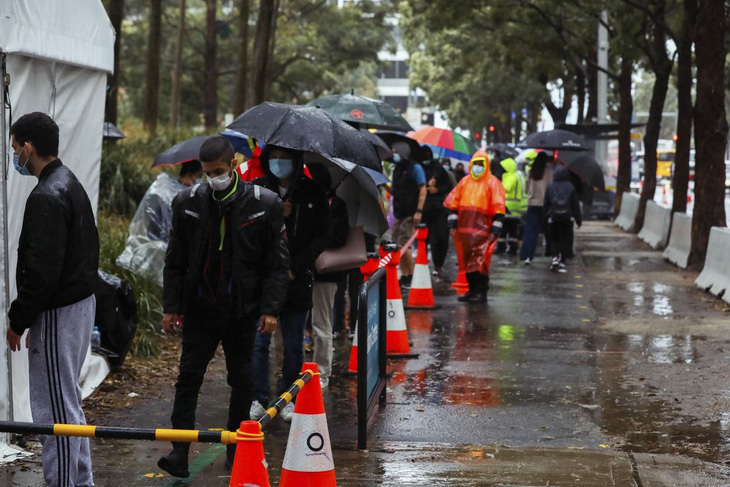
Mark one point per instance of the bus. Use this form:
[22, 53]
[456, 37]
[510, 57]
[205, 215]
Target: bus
[665, 161]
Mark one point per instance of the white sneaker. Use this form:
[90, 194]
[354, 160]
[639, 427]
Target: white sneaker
[554, 264]
[287, 413]
[562, 269]
[256, 411]
[528, 261]
[324, 381]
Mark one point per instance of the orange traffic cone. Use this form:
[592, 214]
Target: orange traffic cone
[396, 334]
[308, 458]
[249, 465]
[421, 295]
[367, 270]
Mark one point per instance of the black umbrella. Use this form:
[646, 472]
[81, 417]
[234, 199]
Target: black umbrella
[185, 151]
[390, 138]
[585, 166]
[554, 140]
[307, 129]
[504, 150]
[381, 147]
[363, 110]
[111, 132]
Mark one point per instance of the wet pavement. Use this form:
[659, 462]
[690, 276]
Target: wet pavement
[615, 373]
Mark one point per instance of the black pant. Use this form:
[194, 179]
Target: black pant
[478, 282]
[561, 240]
[512, 232]
[438, 235]
[354, 281]
[338, 322]
[203, 330]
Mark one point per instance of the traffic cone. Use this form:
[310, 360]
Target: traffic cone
[367, 270]
[308, 458]
[421, 295]
[461, 285]
[249, 465]
[397, 334]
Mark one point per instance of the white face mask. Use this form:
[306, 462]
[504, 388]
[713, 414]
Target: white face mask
[219, 183]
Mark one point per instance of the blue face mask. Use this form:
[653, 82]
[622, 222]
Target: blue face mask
[281, 168]
[396, 158]
[22, 170]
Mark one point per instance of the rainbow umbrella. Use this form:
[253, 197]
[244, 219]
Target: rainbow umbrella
[445, 143]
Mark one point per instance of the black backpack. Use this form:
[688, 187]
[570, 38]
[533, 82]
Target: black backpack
[560, 207]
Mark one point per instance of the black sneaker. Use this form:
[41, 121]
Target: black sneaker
[464, 298]
[405, 282]
[554, 265]
[175, 463]
[478, 298]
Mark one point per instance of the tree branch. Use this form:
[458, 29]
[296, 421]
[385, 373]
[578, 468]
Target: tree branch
[653, 16]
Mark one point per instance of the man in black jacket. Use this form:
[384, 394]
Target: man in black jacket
[58, 260]
[226, 269]
[435, 215]
[306, 212]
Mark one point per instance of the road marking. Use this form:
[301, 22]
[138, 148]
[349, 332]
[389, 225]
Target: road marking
[579, 285]
[583, 307]
[578, 295]
[200, 463]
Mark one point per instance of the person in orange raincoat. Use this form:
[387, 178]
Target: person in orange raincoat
[479, 201]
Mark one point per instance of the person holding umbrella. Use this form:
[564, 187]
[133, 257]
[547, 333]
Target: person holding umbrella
[479, 201]
[409, 196]
[306, 214]
[225, 272]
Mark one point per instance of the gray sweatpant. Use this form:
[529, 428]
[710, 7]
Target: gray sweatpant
[59, 341]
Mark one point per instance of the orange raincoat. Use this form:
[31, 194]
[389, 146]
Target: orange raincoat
[477, 199]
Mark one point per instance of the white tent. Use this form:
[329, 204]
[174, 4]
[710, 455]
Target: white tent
[56, 56]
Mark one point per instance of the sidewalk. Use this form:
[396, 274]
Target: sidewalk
[614, 374]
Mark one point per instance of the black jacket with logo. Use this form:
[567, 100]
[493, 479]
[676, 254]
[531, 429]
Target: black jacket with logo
[260, 259]
[58, 252]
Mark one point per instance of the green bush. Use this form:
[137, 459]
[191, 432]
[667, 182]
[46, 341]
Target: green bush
[126, 173]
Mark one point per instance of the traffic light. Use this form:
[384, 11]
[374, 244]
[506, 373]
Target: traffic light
[491, 128]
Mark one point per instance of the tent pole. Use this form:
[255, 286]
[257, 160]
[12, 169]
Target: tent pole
[4, 138]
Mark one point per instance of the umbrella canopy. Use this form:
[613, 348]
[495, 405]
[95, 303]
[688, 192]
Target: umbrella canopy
[362, 110]
[390, 138]
[381, 147]
[111, 132]
[185, 151]
[357, 188]
[445, 143]
[241, 143]
[504, 150]
[554, 140]
[585, 166]
[307, 129]
[379, 178]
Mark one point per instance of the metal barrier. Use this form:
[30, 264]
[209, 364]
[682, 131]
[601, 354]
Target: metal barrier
[371, 357]
[148, 434]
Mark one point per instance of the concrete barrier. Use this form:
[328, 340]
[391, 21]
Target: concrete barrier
[657, 220]
[715, 275]
[680, 241]
[629, 209]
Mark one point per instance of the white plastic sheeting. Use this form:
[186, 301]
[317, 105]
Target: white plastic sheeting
[58, 57]
[149, 231]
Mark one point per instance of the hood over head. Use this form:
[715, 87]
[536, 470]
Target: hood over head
[561, 173]
[480, 155]
[297, 157]
[402, 149]
[509, 165]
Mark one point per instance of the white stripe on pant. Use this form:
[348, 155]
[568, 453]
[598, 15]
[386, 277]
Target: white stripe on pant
[323, 299]
[59, 341]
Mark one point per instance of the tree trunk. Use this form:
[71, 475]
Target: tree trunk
[710, 126]
[272, 47]
[680, 178]
[177, 71]
[239, 100]
[153, 67]
[116, 15]
[261, 46]
[580, 83]
[623, 180]
[662, 67]
[210, 79]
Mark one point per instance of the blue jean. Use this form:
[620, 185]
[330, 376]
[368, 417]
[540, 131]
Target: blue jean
[291, 327]
[532, 220]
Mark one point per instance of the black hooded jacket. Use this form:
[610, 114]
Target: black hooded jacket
[256, 248]
[307, 230]
[58, 252]
[561, 189]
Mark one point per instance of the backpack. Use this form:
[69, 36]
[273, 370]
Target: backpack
[560, 207]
